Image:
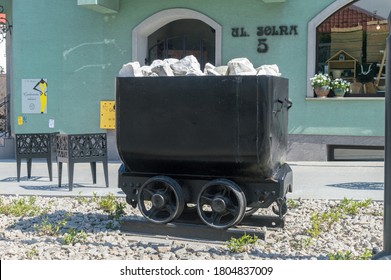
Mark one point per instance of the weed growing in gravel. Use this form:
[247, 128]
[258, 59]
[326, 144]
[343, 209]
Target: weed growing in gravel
[82, 199]
[242, 244]
[46, 228]
[110, 205]
[376, 213]
[74, 236]
[348, 255]
[87, 200]
[292, 204]
[21, 207]
[31, 253]
[350, 207]
[324, 221]
[303, 243]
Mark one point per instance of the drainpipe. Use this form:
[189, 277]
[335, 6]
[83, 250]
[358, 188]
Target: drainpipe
[386, 253]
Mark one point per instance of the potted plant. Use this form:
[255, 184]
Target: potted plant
[340, 87]
[321, 84]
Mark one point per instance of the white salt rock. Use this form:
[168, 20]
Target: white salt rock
[222, 70]
[131, 69]
[209, 69]
[157, 62]
[240, 66]
[271, 70]
[171, 60]
[146, 70]
[211, 72]
[161, 68]
[195, 73]
[179, 69]
[189, 64]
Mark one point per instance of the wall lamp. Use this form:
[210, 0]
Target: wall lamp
[377, 25]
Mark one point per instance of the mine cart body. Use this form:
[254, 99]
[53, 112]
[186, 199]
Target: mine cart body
[218, 138]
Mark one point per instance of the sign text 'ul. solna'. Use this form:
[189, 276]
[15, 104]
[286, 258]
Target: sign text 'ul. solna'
[265, 31]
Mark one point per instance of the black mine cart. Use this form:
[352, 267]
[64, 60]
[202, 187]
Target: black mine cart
[214, 145]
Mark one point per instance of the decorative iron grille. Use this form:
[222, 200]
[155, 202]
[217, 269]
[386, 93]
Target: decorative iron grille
[33, 144]
[78, 146]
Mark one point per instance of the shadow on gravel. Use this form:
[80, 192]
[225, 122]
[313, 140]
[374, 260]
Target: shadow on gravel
[371, 186]
[97, 223]
[89, 223]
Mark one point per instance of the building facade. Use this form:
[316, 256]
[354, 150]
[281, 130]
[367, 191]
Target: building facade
[72, 51]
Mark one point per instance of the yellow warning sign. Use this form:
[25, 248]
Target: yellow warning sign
[107, 114]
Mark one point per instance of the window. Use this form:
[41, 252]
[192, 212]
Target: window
[351, 43]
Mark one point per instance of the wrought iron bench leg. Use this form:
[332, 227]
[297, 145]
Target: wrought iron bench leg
[93, 172]
[49, 161]
[59, 173]
[70, 175]
[106, 171]
[29, 163]
[18, 165]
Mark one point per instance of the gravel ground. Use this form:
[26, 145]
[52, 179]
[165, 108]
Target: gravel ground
[37, 237]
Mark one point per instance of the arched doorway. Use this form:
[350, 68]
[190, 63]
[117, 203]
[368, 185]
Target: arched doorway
[166, 27]
[180, 38]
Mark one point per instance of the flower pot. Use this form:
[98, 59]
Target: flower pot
[339, 92]
[322, 92]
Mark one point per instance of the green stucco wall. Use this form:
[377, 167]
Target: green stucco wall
[80, 52]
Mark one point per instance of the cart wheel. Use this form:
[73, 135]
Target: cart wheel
[161, 199]
[221, 204]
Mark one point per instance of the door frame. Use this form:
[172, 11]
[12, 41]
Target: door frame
[141, 32]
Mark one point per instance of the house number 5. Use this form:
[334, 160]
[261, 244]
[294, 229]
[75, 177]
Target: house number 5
[262, 46]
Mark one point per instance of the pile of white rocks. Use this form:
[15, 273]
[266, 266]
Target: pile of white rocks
[20, 239]
[189, 66]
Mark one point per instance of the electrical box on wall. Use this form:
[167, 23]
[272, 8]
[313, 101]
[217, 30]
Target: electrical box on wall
[107, 114]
